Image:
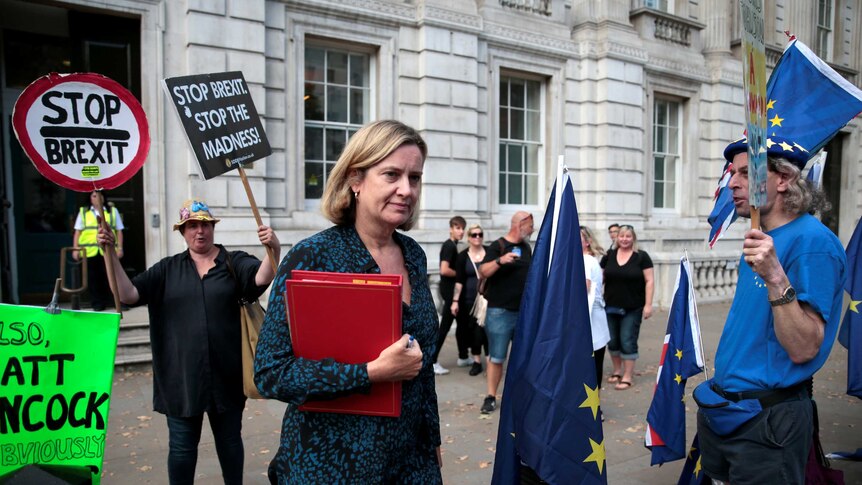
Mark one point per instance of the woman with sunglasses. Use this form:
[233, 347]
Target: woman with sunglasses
[629, 290]
[467, 281]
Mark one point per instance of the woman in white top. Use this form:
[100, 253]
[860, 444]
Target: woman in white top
[598, 319]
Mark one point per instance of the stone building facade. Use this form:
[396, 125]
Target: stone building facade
[639, 96]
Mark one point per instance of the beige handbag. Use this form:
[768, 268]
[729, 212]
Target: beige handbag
[251, 316]
[480, 306]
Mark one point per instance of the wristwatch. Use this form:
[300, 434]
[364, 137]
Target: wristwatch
[788, 295]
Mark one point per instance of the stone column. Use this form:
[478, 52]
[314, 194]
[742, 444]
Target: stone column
[716, 36]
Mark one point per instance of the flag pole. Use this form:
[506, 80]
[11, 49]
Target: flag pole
[697, 315]
[755, 218]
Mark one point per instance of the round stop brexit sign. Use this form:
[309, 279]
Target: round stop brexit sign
[82, 131]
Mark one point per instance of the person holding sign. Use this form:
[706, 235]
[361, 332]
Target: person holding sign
[755, 418]
[372, 191]
[86, 228]
[193, 302]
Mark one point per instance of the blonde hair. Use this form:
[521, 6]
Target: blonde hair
[626, 227]
[367, 147]
[474, 227]
[595, 248]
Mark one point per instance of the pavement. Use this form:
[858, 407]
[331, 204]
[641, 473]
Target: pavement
[137, 441]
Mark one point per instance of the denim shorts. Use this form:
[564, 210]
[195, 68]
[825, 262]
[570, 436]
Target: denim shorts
[624, 331]
[500, 328]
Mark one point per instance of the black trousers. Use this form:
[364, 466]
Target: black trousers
[97, 282]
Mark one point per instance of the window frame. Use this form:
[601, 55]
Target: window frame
[670, 101]
[540, 143]
[371, 53]
[824, 32]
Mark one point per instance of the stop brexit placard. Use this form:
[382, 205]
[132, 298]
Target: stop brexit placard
[82, 131]
[220, 120]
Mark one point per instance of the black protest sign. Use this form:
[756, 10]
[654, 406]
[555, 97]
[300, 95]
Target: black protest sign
[220, 120]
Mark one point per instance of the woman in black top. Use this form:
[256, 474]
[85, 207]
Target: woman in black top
[467, 282]
[629, 287]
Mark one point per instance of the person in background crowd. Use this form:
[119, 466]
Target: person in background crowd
[448, 253]
[86, 230]
[780, 327]
[613, 230]
[595, 291]
[629, 287]
[193, 304]
[467, 281]
[373, 190]
[506, 265]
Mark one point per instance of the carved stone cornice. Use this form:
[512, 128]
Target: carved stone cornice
[456, 20]
[532, 40]
[680, 69]
[622, 51]
[351, 8]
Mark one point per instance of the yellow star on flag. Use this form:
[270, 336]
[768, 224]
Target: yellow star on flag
[853, 305]
[800, 147]
[769, 143]
[770, 104]
[678, 378]
[678, 354]
[598, 454]
[592, 400]
[786, 146]
[697, 468]
[776, 121]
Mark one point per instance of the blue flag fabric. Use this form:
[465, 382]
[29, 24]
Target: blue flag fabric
[549, 416]
[807, 101]
[692, 474]
[680, 359]
[850, 335]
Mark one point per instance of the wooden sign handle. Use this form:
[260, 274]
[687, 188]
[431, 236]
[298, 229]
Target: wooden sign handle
[755, 218]
[256, 213]
[108, 251]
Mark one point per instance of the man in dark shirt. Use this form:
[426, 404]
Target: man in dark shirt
[506, 264]
[613, 230]
[448, 253]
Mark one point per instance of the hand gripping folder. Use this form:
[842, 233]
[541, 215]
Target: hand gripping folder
[351, 318]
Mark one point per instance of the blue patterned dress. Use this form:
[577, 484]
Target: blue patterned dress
[329, 448]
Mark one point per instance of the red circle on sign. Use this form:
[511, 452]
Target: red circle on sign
[27, 102]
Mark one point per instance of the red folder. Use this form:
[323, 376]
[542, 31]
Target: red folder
[349, 317]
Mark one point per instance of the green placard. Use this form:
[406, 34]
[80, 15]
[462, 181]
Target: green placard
[55, 373]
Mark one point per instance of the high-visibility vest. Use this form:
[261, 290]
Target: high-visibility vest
[87, 238]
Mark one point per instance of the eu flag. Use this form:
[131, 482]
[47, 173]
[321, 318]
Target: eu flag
[549, 416]
[850, 335]
[807, 101]
[680, 359]
[692, 474]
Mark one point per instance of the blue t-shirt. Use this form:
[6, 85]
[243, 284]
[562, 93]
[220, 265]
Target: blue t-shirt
[749, 356]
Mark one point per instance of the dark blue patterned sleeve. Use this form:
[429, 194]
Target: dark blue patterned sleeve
[278, 373]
